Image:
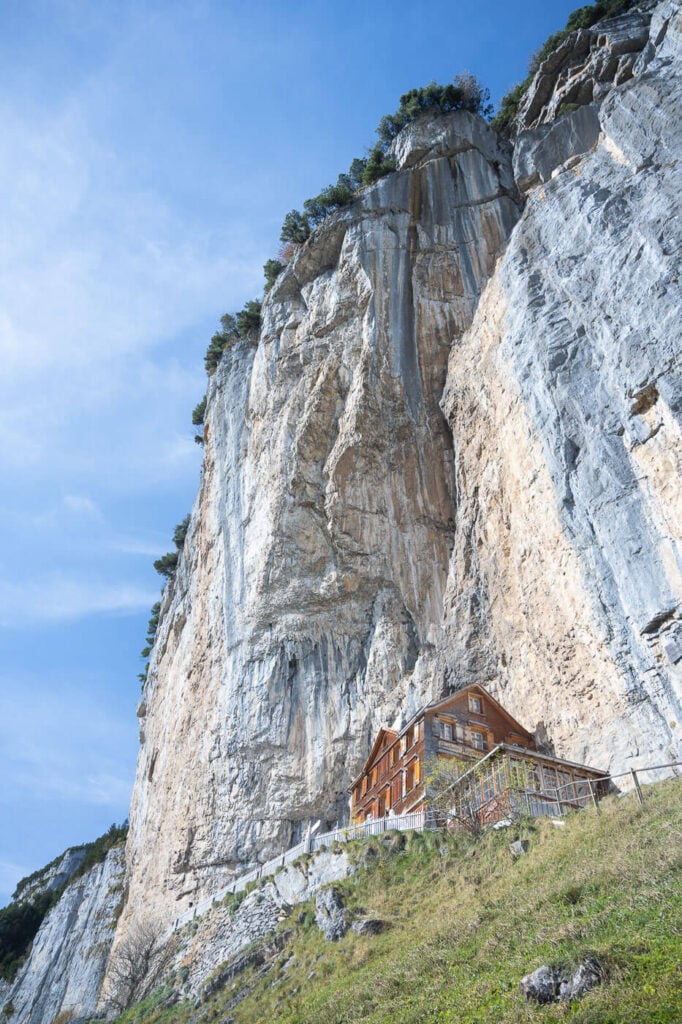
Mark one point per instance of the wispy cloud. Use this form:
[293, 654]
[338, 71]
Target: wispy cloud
[58, 598]
[71, 509]
[63, 744]
[99, 279]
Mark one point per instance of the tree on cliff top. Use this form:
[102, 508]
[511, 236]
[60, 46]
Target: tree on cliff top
[465, 92]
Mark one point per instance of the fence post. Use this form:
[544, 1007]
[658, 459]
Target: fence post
[637, 785]
[594, 799]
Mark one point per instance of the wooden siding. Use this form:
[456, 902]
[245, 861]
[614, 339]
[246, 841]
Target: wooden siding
[393, 777]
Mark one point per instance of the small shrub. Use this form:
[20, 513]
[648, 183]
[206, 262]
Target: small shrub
[248, 318]
[296, 228]
[272, 269]
[233, 329]
[198, 413]
[234, 900]
[377, 165]
[152, 627]
[180, 532]
[167, 564]
[225, 338]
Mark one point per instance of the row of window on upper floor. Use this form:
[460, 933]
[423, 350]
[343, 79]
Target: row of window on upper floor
[413, 735]
[453, 731]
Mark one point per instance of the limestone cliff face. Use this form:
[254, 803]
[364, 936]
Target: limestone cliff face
[64, 971]
[454, 454]
[313, 575]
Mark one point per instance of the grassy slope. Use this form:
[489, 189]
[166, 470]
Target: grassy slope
[467, 921]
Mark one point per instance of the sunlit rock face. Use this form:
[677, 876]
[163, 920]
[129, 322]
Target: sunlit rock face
[565, 399]
[452, 456]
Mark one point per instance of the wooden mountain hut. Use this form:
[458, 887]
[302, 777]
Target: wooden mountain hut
[499, 767]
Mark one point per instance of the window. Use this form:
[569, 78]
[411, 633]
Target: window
[447, 731]
[477, 739]
[475, 705]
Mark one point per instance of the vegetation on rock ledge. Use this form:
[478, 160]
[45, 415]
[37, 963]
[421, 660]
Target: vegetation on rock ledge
[582, 17]
[233, 328]
[465, 92]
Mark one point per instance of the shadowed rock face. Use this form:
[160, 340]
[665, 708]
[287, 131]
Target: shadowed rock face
[356, 550]
[64, 972]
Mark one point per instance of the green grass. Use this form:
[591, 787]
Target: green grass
[467, 921]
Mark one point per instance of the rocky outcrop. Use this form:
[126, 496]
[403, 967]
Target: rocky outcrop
[211, 947]
[64, 971]
[453, 456]
[330, 914]
[585, 66]
[52, 877]
[559, 984]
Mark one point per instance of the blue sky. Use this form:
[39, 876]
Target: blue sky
[148, 154]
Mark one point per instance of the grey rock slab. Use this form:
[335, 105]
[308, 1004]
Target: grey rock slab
[541, 985]
[539, 152]
[566, 472]
[330, 914]
[584, 66]
[369, 926]
[54, 877]
[585, 977]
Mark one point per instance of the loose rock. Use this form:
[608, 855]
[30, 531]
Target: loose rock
[330, 915]
[368, 926]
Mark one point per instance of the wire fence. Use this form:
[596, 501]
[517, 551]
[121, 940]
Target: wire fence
[565, 797]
